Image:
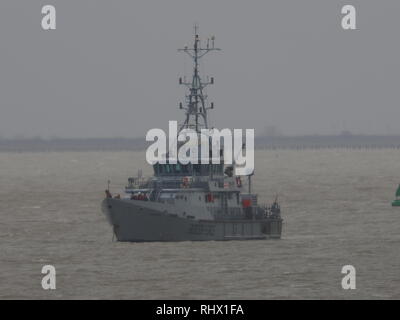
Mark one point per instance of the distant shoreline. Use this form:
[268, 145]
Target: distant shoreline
[139, 144]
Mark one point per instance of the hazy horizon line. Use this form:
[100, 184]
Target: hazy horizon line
[343, 134]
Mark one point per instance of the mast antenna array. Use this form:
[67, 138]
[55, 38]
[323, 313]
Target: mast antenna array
[196, 105]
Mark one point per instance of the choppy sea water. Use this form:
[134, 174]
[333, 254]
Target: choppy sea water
[335, 202]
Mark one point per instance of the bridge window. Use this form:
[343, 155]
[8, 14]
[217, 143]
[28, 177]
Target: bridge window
[188, 169]
[197, 169]
[171, 169]
[217, 168]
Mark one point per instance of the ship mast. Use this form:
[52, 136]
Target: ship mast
[196, 101]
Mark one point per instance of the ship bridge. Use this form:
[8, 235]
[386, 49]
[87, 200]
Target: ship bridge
[178, 169]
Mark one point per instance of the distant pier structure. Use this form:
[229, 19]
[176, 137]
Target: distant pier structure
[328, 142]
[261, 143]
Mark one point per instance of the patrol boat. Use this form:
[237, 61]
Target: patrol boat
[190, 202]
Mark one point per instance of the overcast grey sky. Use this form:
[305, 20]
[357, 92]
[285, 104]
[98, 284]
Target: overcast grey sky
[111, 68]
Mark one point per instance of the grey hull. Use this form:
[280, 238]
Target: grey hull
[132, 221]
